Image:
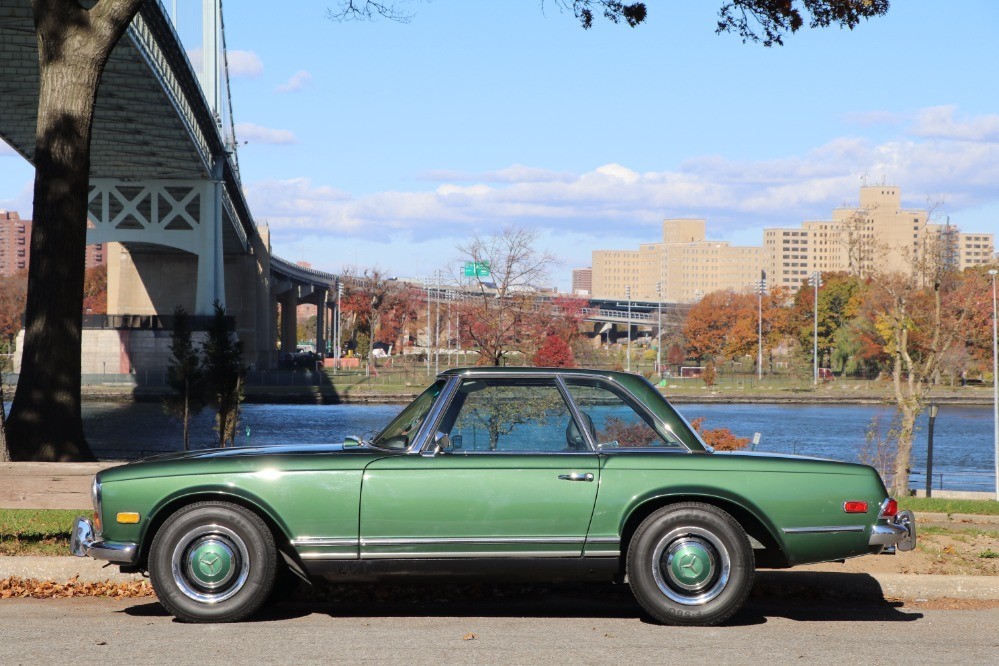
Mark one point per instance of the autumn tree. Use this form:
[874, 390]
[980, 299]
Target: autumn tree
[720, 439]
[554, 352]
[919, 326]
[95, 290]
[499, 317]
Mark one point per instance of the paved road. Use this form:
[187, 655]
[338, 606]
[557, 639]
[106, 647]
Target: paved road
[553, 627]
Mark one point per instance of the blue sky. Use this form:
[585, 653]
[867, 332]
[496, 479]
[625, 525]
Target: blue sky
[384, 144]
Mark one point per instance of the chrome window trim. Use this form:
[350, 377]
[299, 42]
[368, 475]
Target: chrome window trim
[826, 529]
[577, 416]
[329, 556]
[424, 434]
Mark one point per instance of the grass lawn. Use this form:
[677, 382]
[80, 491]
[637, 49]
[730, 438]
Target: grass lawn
[937, 505]
[35, 531]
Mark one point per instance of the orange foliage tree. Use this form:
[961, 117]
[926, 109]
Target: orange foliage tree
[721, 439]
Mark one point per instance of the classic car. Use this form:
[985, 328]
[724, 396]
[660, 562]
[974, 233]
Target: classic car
[522, 473]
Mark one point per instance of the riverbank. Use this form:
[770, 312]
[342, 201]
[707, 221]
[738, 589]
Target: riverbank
[374, 393]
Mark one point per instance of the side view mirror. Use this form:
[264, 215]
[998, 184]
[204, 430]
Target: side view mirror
[441, 443]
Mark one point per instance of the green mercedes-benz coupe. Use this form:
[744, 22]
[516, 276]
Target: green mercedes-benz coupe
[546, 474]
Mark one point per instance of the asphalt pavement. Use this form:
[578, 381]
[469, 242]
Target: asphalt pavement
[554, 628]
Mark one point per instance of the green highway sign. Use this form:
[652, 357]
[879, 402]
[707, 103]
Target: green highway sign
[476, 269]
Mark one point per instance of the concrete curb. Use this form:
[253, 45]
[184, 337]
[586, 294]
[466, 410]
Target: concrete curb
[875, 587]
[62, 569]
[807, 584]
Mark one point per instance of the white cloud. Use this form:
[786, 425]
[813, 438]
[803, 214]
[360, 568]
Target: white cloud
[613, 205]
[869, 118]
[257, 134]
[939, 122]
[297, 81]
[244, 63]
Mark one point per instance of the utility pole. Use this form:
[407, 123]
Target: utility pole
[337, 334]
[762, 286]
[627, 292]
[428, 326]
[659, 329]
[816, 282]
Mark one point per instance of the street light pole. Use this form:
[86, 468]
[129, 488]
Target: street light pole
[337, 334]
[627, 292]
[995, 381]
[929, 451]
[659, 329]
[428, 326]
[816, 281]
[759, 302]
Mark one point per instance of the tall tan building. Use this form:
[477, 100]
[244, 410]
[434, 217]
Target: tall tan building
[685, 264]
[878, 234]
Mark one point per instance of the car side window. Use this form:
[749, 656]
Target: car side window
[615, 420]
[506, 415]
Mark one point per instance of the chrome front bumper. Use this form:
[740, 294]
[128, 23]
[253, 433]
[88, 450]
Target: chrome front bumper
[898, 534]
[83, 543]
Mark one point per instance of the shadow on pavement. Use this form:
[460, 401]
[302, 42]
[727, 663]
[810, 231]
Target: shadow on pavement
[842, 597]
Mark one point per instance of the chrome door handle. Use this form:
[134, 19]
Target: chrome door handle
[576, 476]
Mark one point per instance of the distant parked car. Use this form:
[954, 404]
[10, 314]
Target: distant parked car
[497, 473]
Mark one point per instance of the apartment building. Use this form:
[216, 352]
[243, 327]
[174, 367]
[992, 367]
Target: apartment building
[685, 265]
[582, 281]
[15, 241]
[878, 234]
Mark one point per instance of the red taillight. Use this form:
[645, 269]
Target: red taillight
[889, 509]
[855, 507]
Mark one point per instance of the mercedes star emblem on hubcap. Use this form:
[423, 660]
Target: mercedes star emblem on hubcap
[210, 563]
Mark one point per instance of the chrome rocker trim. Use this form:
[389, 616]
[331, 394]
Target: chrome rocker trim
[83, 543]
[823, 530]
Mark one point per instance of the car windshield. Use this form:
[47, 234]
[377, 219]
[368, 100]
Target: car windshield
[398, 434]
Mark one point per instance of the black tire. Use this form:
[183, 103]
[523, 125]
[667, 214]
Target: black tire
[213, 562]
[690, 564]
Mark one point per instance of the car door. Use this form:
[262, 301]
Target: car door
[513, 477]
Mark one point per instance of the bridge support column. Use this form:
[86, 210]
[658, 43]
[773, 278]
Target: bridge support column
[321, 321]
[211, 266]
[289, 320]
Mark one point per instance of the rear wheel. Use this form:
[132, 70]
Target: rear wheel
[213, 562]
[690, 564]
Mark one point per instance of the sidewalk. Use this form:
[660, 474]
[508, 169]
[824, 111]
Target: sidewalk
[48, 485]
[787, 583]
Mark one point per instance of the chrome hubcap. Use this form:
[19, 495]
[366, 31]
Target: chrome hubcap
[210, 564]
[691, 566]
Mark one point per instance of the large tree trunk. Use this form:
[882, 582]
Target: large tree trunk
[73, 47]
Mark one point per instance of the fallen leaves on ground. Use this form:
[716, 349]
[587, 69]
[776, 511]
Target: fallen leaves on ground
[469, 637]
[24, 588]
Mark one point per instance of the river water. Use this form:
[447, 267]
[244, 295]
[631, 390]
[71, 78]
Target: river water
[962, 445]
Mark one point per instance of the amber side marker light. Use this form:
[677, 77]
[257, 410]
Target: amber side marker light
[128, 517]
[855, 507]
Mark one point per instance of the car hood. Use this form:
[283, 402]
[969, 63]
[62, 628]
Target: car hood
[245, 459]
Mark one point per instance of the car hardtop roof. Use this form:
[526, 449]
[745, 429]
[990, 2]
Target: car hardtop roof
[478, 371]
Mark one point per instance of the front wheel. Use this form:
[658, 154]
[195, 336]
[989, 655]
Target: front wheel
[690, 564]
[213, 562]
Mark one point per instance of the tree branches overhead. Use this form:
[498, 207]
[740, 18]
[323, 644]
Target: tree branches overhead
[769, 21]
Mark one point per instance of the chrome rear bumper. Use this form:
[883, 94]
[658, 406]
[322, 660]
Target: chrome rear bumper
[83, 543]
[898, 534]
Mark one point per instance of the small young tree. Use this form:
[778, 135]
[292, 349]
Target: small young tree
[554, 353]
[224, 370]
[185, 375]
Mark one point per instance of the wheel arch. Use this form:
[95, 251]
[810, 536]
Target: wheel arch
[170, 505]
[773, 554]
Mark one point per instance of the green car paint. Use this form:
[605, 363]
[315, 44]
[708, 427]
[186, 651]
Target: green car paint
[369, 503]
